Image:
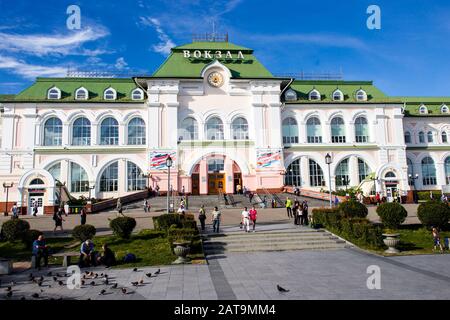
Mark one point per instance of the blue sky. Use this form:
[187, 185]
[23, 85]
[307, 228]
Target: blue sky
[408, 56]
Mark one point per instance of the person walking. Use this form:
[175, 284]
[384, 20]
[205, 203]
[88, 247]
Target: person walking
[83, 216]
[40, 250]
[145, 205]
[437, 239]
[202, 217]
[305, 213]
[58, 218]
[119, 208]
[301, 214]
[253, 216]
[378, 198]
[246, 219]
[216, 219]
[35, 208]
[250, 196]
[289, 207]
[15, 211]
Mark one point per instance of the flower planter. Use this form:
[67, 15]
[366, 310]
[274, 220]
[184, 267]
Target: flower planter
[392, 241]
[181, 250]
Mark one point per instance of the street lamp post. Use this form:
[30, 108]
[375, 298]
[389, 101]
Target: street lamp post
[328, 161]
[7, 186]
[413, 181]
[91, 188]
[169, 163]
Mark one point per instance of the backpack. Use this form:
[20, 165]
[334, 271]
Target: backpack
[129, 257]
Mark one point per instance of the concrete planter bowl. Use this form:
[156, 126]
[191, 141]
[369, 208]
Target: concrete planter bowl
[181, 250]
[391, 240]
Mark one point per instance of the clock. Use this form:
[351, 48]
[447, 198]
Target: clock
[215, 79]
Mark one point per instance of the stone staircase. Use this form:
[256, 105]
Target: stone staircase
[273, 238]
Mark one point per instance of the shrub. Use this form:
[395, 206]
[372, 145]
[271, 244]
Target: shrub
[176, 234]
[392, 214]
[30, 237]
[322, 216]
[434, 214]
[123, 227]
[353, 209]
[425, 195]
[165, 221]
[84, 232]
[15, 229]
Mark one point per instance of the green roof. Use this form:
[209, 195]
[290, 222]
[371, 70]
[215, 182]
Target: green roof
[96, 86]
[433, 104]
[178, 66]
[6, 97]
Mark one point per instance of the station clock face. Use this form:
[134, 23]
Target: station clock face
[215, 79]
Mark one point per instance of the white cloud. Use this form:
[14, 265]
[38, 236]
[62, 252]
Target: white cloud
[121, 63]
[58, 44]
[165, 43]
[30, 71]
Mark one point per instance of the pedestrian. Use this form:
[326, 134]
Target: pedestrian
[238, 189]
[431, 195]
[289, 207]
[264, 202]
[202, 217]
[253, 216]
[336, 201]
[66, 209]
[107, 257]
[157, 190]
[40, 250]
[119, 208]
[300, 215]
[305, 213]
[182, 191]
[216, 219]
[246, 219]
[250, 196]
[35, 208]
[87, 254]
[58, 218]
[437, 239]
[15, 211]
[145, 205]
[83, 216]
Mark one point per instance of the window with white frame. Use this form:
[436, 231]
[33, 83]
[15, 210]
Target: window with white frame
[293, 174]
[81, 132]
[239, 129]
[54, 94]
[421, 137]
[79, 181]
[55, 171]
[290, 131]
[109, 180]
[430, 137]
[216, 165]
[341, 174]
[338, 95]
[361, 95]
[110, 94]
[337, 130]
[314, 130]
[53, 132]
[136, 132]
[314, 95]
[447, 170]
[188, 130]
[214, 129]
[290, 95]
[109, 132]
[423, 109]
[407, 137]
[315, 174]
[444, 137]
[444, 109]
[363, 170]
[135, 178]
[137, 94]
[361, 130]
[81, 94]
[410, 171]
[428, 172]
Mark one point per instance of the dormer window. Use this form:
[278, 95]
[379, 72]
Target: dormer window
[290, 95]
[338, 95]
[314, 95]
[361, 95]
[137, 94]
[81, 94]
[54, 94]
[423, 109]
[444, 109]
[110, 94]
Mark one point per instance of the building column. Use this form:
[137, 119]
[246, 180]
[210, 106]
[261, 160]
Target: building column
[203, 177]
[122, 177]
[353, 170]
[94, 134]
[122, 138]
[326, 132]
[350, 132]
[302, 132]
[65, 134]
[440, 175]
[227, 134]
[304, 171]
[229, 175]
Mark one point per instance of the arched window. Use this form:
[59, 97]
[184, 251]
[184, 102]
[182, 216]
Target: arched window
[54, 94]
[55, 171]
[37, 182]
[447, 170]
[109, 180]
[363, 170]
[444, 137]
[290, 95]
[137, 94]
[444, 109]
[53, 132]
[293, 174]
[239, 129]
[342, 177]
[135, 178]
[189, 129]
[361, 130]
[410, 170]
[290, 131]
[136, 132]
[81, 132]
[421, 137]
[110, 94]
[79, 181]
[216, 165]
[428, 172]
[338, 95]
[361, 95]
[313, 130]
[81, 94]
[423, 109]
[109, 132]
[337, 130]
[214, 129]
[314, 95]
[407, 137]
[315, 174]
[390, 175]
[430, 137]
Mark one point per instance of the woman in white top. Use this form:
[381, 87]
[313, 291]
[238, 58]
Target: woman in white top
[246, 220]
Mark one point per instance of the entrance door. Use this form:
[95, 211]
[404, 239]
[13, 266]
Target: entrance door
[216, 183]
[238, 181]
[39, 199]
[391, 191]
[195, 185]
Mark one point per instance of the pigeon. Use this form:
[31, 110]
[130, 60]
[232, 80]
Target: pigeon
[82, 282]
[35, 295]
[141, 281]
[13, 283]
[106, 282]
[60, 283]
[9, 294]
[9, 289]
[124, 291]
[101, 274]
[49, 274]
[39, 283]
[41, 279]
[102, 292]
[55, 279]
[135, 283]
[93, 283]
[148, 275]
[106, 276]
[58, 275]
[96, 276]
[135, 269]
[281, 289]
[114, 286]
[158, 271]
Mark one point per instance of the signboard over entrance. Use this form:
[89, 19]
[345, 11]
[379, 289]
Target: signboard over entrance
[210, 54]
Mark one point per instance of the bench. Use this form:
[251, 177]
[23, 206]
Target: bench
[65, 255]
[6, 266]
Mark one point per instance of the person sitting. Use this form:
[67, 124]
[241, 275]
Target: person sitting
[40, 250]
[107, 257]
[87, 255]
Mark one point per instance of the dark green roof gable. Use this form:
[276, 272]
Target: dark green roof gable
[37, 92]
[178, 66]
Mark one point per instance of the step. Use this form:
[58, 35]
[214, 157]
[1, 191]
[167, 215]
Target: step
[274, 248]
[270, 241]
[267, 243]
[245, 236]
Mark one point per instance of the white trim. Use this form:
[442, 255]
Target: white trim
[114, 94]
[341, 95]
[364, 98]
[137, 90]
[86, 92]
[58, 92]
[314, 91]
